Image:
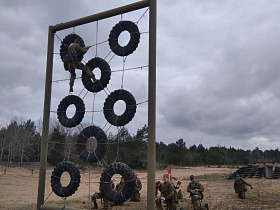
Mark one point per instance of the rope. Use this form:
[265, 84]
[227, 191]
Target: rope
[128, 69]
[121, 142]
[142, 16]
[93, 107]
[105, 109]
[96, 37]
[124, 59]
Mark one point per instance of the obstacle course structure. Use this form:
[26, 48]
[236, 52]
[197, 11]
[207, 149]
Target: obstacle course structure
[151, 99]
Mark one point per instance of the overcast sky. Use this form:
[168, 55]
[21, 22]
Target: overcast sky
[218, 76]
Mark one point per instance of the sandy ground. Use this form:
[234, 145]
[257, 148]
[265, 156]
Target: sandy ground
[19, 189]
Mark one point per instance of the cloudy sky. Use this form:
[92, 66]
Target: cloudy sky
[218, 76]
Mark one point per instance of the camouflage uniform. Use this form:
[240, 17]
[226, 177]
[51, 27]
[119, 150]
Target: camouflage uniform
[119, 188]
[136, 194]
[76, 51]
[240, 188]
[196, 196]
[101, 195]
[168, 191]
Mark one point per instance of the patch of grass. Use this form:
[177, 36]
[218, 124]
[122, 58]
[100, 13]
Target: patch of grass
[212, 177]
[72, 202]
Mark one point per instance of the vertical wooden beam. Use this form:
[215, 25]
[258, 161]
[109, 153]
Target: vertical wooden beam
[46, 119]
[151, 153]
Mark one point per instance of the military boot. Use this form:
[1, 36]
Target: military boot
[206, 206]
[71, 89]
[95, 206]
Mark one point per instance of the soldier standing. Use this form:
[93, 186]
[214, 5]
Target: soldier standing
[75, 50]
[168, 194]
[240, 188]
[101, 195]
[195, 189]
[136, 193]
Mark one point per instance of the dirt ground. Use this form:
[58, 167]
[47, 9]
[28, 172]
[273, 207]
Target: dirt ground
[19, 189]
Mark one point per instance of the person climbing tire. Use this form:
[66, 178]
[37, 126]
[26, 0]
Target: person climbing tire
[79, 113]
[128, 49]
[71, 188]
[102, 144]
[105, 75]
[105, 182]
[130, 110]
[66, 42]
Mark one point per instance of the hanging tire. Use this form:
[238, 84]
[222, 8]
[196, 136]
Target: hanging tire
[71, 188]
[105, 75]
[132, 28]
[129, 112]
[66, 42]
[105, 182]
[102, 144]
[79, 113]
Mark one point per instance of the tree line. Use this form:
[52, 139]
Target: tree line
[20, 142]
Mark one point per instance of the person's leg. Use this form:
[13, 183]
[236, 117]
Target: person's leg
[87, 70]
[132, 198]
[172, 205]
[242, 196]
[158, 204]
[239, 194]
[106, 203]
[137, 197]
[93, 198]
[72, 78]
[195, 201]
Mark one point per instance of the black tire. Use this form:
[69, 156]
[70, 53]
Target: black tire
[105, 182]
[66, 42]
[132, 28]
[79, 114]
[102, 144]
[105, 75]
[71, 188]
[129, 112]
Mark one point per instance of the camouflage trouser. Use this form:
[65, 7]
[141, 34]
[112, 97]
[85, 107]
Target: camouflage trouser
[170, 205]
[99, 195]
[195, 201]
[135, 197]
[241, 194]
[158, 204]
[81, 66]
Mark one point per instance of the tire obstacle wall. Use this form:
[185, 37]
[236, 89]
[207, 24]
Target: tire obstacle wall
[113, 168]
[94, 131]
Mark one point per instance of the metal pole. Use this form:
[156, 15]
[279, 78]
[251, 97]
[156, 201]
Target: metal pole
[46, 118]
[151, 156]
[102, 15]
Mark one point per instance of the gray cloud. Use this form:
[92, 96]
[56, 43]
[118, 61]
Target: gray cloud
[217, 67]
